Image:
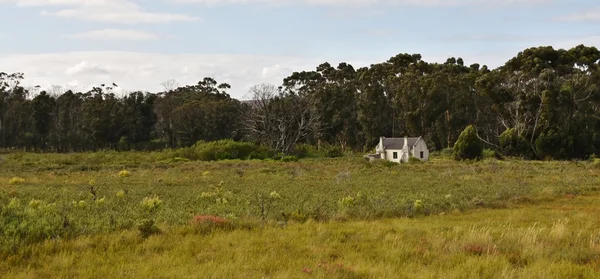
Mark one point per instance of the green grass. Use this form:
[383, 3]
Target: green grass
[483, 219]
[560, 239]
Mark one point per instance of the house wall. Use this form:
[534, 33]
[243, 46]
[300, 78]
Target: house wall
[389, 153]
[421, 146]
[379, 147]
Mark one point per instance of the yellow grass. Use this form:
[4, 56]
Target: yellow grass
[309, 219]
[559, 239]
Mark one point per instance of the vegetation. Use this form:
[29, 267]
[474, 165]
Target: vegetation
[468, 146]
[336, 218]
[542, 104]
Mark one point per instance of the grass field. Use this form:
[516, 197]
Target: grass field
[152, 216]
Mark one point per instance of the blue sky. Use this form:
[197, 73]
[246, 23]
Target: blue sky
[139, 44]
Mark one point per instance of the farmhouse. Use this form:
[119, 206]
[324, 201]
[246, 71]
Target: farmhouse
[399, 150]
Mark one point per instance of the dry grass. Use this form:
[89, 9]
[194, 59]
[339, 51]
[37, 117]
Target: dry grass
[338, 218]
[554, 240]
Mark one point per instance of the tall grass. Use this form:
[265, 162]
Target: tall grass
[74, 197]
[558, 239]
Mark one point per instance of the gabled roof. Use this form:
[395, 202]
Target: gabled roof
[398, 143]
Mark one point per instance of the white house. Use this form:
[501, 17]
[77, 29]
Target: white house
[400, 149]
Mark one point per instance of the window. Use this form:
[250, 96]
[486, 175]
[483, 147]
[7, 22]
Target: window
[395, 155]
[421, 154]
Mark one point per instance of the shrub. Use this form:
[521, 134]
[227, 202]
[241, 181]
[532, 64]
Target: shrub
[468, 146]
[488, 153]
[151, 204]
[227, 149]
[384, 163]
[414, 160]
[147, 228]
[210, 219]
[447, 152]
[305, 151]
[124, 173]
[514, 145]
[254, 155]
[180, 159]
[16, 180]
[209, 223]
[290, 158]
[332, 151]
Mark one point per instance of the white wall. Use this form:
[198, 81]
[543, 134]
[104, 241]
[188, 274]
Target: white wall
[389, 153]
[421, 146]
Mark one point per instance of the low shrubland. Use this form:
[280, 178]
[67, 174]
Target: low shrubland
[555, 239]
[72, 195]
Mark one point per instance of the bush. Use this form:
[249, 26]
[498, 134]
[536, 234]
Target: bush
[147, 228]
[447, 152]
[254, 155]
[227, 150]
[488, 153]
[468, 146]
[514, 145]
[332, 151]
[16, 180]
[414, 160]
[306, 151]
[151, 203]
[289, 158]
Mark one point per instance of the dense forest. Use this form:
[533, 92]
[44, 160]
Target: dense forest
[542, 104]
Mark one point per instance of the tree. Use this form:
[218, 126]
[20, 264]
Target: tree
[43, 107]
[468, 146]
[278, 119]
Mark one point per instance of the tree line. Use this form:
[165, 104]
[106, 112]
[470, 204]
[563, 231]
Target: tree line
[542, 103]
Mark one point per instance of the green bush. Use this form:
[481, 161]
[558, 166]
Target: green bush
[447, 152]
[306, 151]
[468, 146]
[290, 158]
[255, 155]
[222, 150]
[147, 228]
[514, 145]
[488, 153]
[332, 151]
[414, 160]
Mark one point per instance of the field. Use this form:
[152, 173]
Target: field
[152, 215]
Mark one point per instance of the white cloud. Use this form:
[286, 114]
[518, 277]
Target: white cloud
[146, 71]
[562, 41]
[115, 34]
[590, 15]
[108, 11]
[362, 3]
[85, 68]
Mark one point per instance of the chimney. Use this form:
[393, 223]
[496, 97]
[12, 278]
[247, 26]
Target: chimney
[405, 141]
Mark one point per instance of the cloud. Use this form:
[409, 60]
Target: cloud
[115, 34]
[146, 71]
[107, 11]
[557, 41]
[590, 15]
[363, 3]
[90, 69]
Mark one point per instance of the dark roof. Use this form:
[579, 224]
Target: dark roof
[398, 143]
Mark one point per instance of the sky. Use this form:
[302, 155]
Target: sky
[140, 44]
